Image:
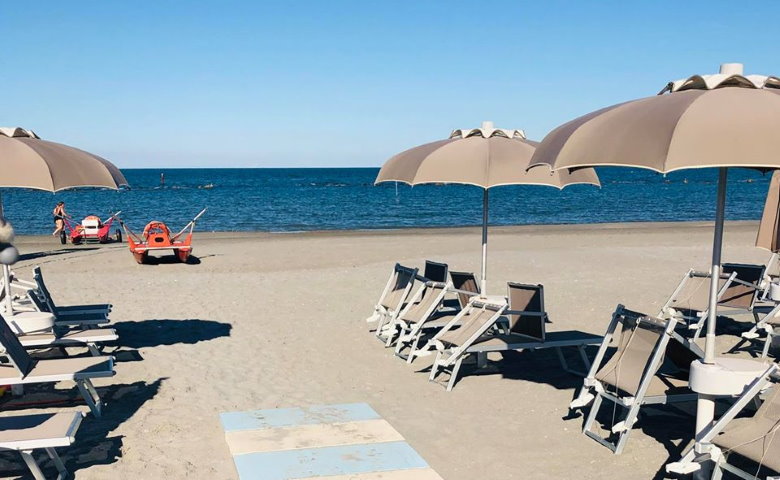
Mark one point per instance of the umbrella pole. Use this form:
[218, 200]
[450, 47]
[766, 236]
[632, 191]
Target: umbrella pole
[485, 203]
[717, 242]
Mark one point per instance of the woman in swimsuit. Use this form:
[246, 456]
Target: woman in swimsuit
[59, 214]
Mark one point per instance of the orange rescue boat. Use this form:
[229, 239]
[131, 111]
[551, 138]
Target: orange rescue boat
[157, 236]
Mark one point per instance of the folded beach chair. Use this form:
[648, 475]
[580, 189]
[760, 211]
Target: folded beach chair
[44, 431]
[394, 297]
[63, 311]
[422, 308]
[22, 369]
[475, 320]
[649, 365]
[756, 438]
[526, 330]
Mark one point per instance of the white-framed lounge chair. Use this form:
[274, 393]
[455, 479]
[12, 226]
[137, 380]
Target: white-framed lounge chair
[527, 319]
[769, 326]
[755, 439]
[91, 339]
[409, 324]
[451, 343]
[525, 330]
[649, 365]
[27, 434]
[62, 311]
[394, 297]
[21, 369]
[69, 320]
[737, 293]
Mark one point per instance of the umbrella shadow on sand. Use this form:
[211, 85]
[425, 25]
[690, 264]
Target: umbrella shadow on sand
[153, 333]
[93, 446]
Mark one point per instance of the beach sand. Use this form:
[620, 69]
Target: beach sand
[277, 320]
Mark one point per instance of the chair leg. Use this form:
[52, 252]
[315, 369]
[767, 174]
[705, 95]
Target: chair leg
[454, 373]
[629, 424]
[413, 348]
[90, 396]
[57, 461]
[594, 409]
[32, 464]
[435, 367]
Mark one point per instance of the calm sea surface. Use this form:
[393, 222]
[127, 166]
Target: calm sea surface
[288, 199]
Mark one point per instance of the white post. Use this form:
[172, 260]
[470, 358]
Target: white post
[483, 283]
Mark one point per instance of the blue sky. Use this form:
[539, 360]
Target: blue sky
[344, 83]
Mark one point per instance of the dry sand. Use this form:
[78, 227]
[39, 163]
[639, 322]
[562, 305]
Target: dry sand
[277, 320]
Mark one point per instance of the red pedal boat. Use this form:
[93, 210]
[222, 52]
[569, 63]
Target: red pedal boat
[157, 236]
[91, 230]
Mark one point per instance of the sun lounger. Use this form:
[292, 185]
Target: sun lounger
[525, 330]
[63, 311]
[451, 343]
[738, 291]
[755, 438]
[435, 271]
[90, 338]
[633, 376]
[80, 320]
[22, 369]
[394, 297]
[27, 434]
[422, 308]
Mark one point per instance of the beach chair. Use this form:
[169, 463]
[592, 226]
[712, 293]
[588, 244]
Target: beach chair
[649, 365]
[22, 369]
[69, 320]
[769, 325]
[423, 308]
[526, 330]
[91, 339]
[478, 317]
[27, 434]
[394, 297]
[755, 439]
[738, 290]
[465, 284]
[64, 311]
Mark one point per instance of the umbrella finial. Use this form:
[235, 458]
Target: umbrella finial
[487, 126]
[731, 69]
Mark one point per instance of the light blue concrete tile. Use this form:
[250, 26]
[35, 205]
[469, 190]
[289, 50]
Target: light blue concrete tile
[341, 460]
[290, 417]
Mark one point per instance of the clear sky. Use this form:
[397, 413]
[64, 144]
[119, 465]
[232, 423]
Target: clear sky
[345, 83]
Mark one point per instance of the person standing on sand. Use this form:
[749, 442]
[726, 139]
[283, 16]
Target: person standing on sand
[59, 216]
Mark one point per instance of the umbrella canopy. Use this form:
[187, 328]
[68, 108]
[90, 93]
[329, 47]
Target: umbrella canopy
[769, 229]
[724, 120]
[26, 161]
[485, 157]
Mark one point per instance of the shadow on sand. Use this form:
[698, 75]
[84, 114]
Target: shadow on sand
[171, 259]
[152, 333]
[93, 446]
[52, 253]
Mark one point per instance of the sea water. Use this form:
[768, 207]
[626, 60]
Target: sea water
[303, 199]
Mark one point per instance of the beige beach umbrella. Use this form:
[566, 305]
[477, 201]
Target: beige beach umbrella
[26, 161]
[769, 229]
[723, 120]
[485, 157]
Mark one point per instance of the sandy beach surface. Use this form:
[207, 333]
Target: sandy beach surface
[278, 320]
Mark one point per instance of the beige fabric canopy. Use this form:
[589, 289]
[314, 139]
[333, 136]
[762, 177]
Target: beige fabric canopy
[484, 157]
[26, 161]
[769, 229]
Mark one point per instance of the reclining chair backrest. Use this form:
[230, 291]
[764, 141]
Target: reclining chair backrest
[44, 292]
[436, 272]
[527, 298]
[400, 284]
[467, 282]
[480, 318]
[693, 292]
[14, 349]
[639, 339]
[429, 301]
[738, 295]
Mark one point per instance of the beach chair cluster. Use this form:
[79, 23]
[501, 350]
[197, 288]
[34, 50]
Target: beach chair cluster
[443, 312]
[76, 326]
